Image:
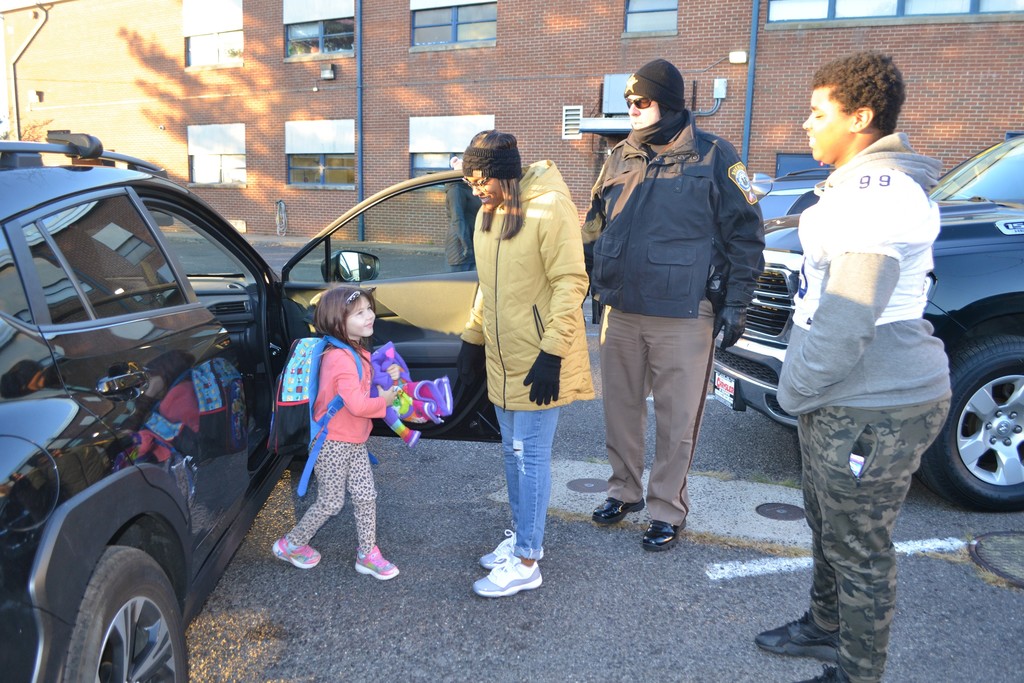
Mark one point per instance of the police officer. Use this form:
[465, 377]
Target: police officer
[671, 212]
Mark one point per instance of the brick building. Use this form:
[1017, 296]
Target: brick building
[314, 103]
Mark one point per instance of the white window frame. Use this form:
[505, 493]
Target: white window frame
[305, 11]
[635, 13]
[416, 5]
[780, 11]
[317, 11]
[444, 134]
[219, 146]
[212, 21]
[321, 137]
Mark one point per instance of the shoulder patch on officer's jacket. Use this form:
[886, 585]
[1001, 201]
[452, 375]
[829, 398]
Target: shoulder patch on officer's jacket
[738, 175]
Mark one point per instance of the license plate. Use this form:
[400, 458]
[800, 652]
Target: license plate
[725, 388]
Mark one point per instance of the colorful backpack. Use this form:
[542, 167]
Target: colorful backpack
[293, 427]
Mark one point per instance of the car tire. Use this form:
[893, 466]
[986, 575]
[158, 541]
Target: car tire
[129, 625]
[976, 459]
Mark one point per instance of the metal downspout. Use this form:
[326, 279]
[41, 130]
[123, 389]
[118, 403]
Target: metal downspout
[751, 68]
[12, 73]
[359, 115]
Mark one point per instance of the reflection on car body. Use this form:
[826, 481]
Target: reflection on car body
[140, 337]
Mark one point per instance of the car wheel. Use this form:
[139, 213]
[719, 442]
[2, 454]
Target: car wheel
[129, 625]
[976, 459]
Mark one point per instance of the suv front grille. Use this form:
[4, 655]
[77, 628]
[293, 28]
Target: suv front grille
[747, 367]
[772, 306]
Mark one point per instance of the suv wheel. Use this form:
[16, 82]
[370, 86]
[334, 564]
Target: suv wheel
[976, 459]
[129, 625]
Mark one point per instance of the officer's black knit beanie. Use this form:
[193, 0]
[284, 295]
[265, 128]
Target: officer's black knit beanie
[660, 81]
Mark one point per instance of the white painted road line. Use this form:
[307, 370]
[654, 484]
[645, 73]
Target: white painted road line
[775, 565]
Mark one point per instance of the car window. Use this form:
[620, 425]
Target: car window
[425, 208]
[993, 175]
[12, 295]
[197, 253]
[111, 259]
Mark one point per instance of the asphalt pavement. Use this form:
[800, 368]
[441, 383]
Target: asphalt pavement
[607, 611]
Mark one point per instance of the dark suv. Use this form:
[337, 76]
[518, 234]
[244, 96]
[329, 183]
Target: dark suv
[975, 303]
[140, 337]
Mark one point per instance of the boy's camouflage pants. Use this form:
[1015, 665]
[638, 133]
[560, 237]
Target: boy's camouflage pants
[852, 517]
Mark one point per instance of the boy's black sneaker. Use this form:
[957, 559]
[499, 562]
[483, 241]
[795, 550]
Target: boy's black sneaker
[829, 674]
[801, 638]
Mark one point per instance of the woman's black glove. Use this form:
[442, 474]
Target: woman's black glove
[543, 377]
[470, 364]
[730, 321]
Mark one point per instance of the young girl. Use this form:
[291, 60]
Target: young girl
[347, 314]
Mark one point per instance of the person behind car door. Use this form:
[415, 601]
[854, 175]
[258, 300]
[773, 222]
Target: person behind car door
[672, 211]
[866, 379]
[461, 207]
[526, 327]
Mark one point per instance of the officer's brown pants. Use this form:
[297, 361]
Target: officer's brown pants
[671, 358]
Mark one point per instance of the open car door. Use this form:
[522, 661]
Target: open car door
[421, 307]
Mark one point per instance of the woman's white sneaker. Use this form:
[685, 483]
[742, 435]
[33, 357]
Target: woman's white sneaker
[502, 553]
[508, 578]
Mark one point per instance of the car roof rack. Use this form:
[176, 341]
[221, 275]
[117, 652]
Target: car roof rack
[77, 146]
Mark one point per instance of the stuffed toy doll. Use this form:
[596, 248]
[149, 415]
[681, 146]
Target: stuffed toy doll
[417, 402]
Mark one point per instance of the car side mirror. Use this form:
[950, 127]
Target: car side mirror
[761, 184]
[350, 266]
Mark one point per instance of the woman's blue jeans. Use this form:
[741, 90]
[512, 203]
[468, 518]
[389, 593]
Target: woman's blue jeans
[526, 438]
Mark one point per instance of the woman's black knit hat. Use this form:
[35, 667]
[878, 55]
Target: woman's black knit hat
[660, 81]
[479, 162]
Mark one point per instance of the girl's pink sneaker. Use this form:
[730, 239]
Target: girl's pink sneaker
[374, 564]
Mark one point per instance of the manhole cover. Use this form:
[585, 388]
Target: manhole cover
[1002, 553]
[781, 511]
[588, 485]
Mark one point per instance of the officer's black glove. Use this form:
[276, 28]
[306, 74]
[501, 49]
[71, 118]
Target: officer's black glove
[730, 321]
[543, 377]
[471, 362]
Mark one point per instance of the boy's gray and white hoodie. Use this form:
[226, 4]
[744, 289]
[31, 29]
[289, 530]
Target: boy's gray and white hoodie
[858, 337]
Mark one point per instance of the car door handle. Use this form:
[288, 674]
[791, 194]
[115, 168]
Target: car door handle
[132, 383]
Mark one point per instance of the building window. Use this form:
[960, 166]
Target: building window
[213, 48]
[216, 169]
[216, 154]
[321, 152]
[316, 37]
[321, 169]
[431, 162]
[803, 10]
[462, 23]
[433, 139]
[213, 32]
[650, 15]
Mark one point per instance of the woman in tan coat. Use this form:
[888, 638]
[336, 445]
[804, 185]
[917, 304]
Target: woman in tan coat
[527, 328]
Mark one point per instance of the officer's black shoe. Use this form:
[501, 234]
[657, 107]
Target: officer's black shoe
[660, 535]
[613, 510]
[801, 638]
[829, 674]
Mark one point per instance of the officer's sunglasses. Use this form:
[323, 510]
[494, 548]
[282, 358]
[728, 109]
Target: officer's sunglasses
[638, 102]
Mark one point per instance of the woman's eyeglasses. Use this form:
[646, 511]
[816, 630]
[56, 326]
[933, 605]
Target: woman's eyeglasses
[638, 102]
[476, 184]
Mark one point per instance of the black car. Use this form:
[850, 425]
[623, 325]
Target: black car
[790, 193]
[140, 338]
[976, 305]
